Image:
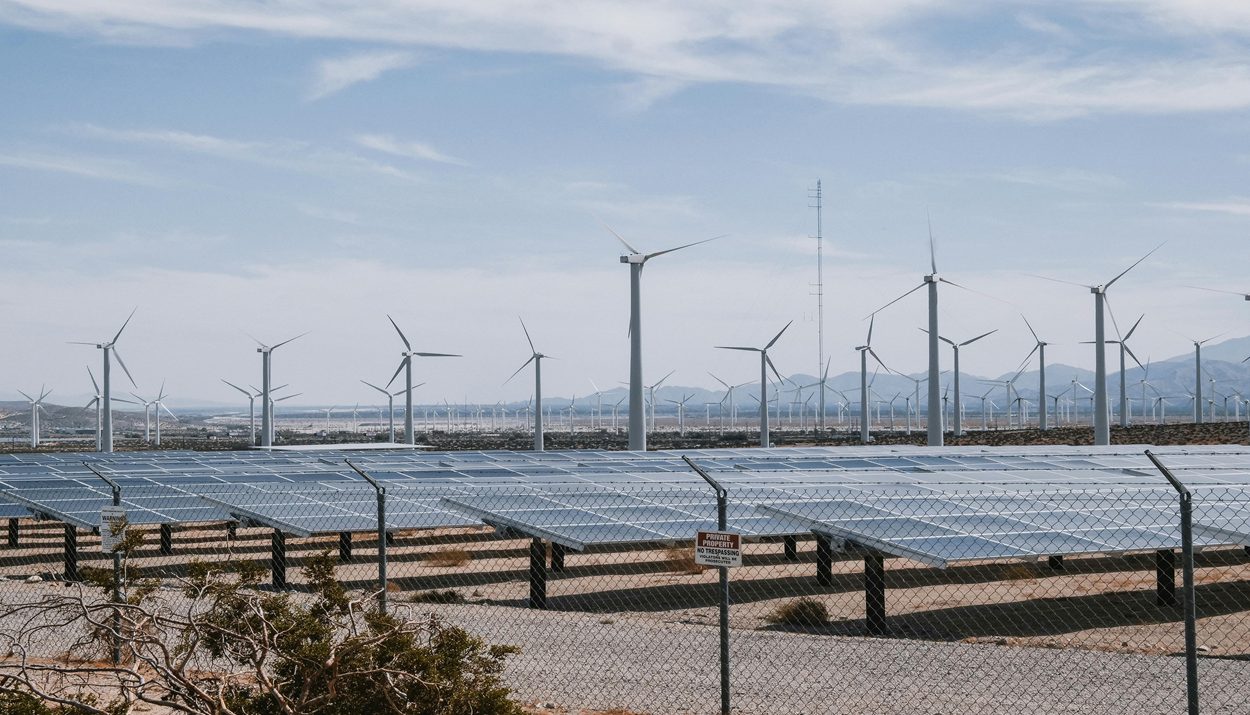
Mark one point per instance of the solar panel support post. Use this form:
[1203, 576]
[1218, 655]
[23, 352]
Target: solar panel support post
[119, 595]
[232, 531]
[13, 533]
[167, 539]
[824, 561]
[384, 536]
[345, 546]
[874, 592]
[722, 524]
[791, 548]
[1165, 577]
[557, 557]
[277, 560]
[1055, 562]
[538, 574]
[71, 553]
[1187, 582]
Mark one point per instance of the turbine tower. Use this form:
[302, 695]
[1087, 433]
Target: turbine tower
[765, 364]
[159, 404]
[106, 402]
[36, 404]
[390, 404]
[266, 404]
[1198, 376]
[1039, 347]
[405, 365]
[636, 259]
[958, 415]
[251, 408]
[864, 351]
[1124, 349]
[1102, 427]
[536, 358]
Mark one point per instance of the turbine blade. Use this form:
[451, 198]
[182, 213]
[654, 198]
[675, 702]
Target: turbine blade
[519, 369]
[240, 389]
[1218, 290]
[124, 368]
[983, 335]
[778, 335]
[726, 384]
[90, 403]
[1126, 270]
[769, 362]
[662, 379]
[932, 246]
[1129, 350]
[94, 384]
[284, 342]
[370, 384]
[649, 256]
[123, 327]
[436, 355]
[1129, 334]
[872, 320]
[887, 305]
[624, 243]
[167, 410]
[1213, 337]
[533, 349]
[402, 337]
[1059, 280]
[28, 397]
[729, 347]
[1031, 330]
[402, 364]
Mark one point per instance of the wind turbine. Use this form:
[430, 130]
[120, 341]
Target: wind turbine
[390, 404]
[98, 401]
[729, 391]
[1102, 429]
[160, 405]
[651, 394]
[864, 351]
[1039, 347]
[147, 418]
[1124, 348]
[536, 358]
[106, 402]
[681, 413]
[636, 259]
[251, 408]
[266, 403]
[1198, 376]
[958, 416]
[36, 404]
[405, 365]
[934, 423]
[765, 364]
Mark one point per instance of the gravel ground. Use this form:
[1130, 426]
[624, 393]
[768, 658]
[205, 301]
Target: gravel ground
[576, 662]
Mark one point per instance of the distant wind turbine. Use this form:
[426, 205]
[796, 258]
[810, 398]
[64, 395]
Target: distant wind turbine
[765, 364]
[266, 403]
[106, 402]
[864, 351]
[635, 259]
[958, 415]
[536, 358]
[405, 366]
[36, 405]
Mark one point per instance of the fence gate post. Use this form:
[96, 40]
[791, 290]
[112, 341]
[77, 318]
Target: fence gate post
[1187, 581]
[722, 524]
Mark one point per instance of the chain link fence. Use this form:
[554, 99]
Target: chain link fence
[880, 598]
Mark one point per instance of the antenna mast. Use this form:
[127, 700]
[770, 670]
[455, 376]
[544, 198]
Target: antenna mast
[820, 310]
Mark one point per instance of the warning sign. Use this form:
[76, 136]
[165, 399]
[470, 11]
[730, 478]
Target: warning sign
[112, 527]
[718, 548]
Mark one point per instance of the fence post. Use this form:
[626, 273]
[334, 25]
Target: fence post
[1187, 581]
[118, 596]
[382, 534]
[722, 524]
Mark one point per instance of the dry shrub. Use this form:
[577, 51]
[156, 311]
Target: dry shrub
[449, 558]
[802, 613]
[1019, 572]
[448, 596]
[681, 560]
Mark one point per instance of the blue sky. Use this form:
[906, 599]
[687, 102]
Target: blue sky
[235, 167]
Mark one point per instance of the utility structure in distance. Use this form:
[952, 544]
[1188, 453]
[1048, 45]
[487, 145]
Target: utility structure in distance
[820, 307]
[636, 259]
[405, 366]
[536, 358]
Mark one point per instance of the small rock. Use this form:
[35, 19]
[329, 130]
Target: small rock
[1203, 649]
[548, 706]
[34, 579]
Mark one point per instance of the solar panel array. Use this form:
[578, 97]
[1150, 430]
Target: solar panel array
[959, 497]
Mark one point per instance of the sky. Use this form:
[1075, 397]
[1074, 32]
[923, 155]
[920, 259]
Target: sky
[236, 169]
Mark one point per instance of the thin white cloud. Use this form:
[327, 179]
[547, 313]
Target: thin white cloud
[89, 167]
[407, 149]
[336, 75]
[1231, 207]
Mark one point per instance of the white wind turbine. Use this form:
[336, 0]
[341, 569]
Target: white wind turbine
[536, 358]
[147, 417]
[1102, 427]
[651, 395]
[266, 401]
[98, 401]
[1039, 347]
[1198, 375]
[681, 413]
[934, 422]
[36, 405]
[251, 408]
[390, 404]
[159, 404]
[1124, 349]
[958, 415]
[405, 366]
[765, 364]
[106, 402]
[729, 393]
[636, 259]
[864, 351]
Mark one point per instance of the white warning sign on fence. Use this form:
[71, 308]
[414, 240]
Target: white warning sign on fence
[718, 548]
[112, 527]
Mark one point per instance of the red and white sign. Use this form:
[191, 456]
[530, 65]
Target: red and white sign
[718, 548]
